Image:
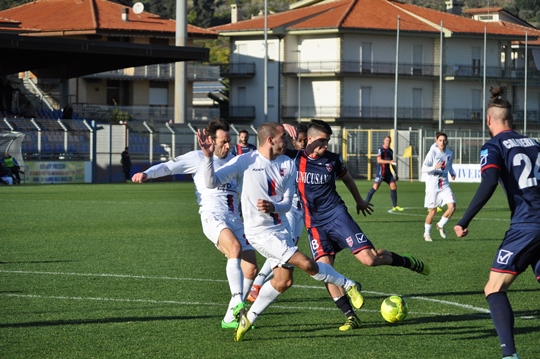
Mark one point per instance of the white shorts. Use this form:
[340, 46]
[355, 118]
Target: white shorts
[213, 224]
[436, 199]
[278, 247]
[296, 221]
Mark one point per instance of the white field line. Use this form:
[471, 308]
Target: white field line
[423, 216]
[454, 304]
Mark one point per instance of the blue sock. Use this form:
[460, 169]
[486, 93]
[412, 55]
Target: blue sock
[503, 319]
[393, 196]
[370, 194]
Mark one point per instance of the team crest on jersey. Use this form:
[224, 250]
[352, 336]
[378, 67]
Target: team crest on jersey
[282, 172]
[349, 241]
[483, 157]
[329, 167]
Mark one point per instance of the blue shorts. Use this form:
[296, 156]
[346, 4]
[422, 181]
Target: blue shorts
[519, 249]
[340, 233]
[387, 177]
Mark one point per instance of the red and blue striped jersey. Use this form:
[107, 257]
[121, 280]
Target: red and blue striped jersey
[316, 180]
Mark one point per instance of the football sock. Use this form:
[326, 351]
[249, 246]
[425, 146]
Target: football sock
[427, 228]
[267, 295]
[393, 196]
[264, 273]
[235, 277]
[344, 305]
[328, 274]
[400, 261]
[370, 194]
[503, 319]
[247, 287]
[442, 222]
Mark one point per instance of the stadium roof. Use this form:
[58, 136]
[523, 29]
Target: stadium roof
[65, 38]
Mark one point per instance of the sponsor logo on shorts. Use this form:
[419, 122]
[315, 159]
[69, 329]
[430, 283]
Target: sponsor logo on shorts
[349, 241]
[360, 237]
[504, 256]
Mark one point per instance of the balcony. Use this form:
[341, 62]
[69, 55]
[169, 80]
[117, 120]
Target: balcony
[386, 113]
[450, 72]
[237, 69]
[160, 72]
[241, 113]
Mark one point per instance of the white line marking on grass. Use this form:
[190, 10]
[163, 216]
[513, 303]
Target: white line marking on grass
[421, 215]
[153, 301]
[115, 276]
[455, 304]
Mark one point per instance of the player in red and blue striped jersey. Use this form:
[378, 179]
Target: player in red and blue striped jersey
[385, 173]
[243, 146]
[512, 160]
[330, 226]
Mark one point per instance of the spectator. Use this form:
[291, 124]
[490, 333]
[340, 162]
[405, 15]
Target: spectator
[5, 175]
[126, 164]
[11, 164]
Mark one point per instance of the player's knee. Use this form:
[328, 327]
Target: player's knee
[282, 284]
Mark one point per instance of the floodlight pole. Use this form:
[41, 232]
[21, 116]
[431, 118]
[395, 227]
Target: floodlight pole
[180, 78]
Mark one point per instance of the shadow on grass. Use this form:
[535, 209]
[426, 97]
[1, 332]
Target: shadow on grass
[36, 262]
[51, 323]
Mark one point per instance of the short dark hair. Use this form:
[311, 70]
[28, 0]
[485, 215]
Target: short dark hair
[320, 126]
[267, 129]
[301, 127]
[215, 125]
[244, 131]
[440, 133]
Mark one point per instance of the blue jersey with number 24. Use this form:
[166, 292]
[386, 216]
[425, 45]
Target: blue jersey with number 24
[517, 158]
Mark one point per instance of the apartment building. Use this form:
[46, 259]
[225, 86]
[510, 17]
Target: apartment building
[380, 64]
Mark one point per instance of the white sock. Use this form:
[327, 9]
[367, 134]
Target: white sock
[235, 277]
[267, 295]
[247, 287]
[328, 274]
[264, 273]
[427, 228]
[442, 222]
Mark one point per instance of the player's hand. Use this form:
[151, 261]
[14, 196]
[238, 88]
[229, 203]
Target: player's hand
[365, 207]
[291, 130]
[265, 206]
[453, 177]
[205, 142]
[460, 231]
[397, 178]
[139, 177]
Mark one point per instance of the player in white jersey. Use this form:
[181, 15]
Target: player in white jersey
[438, 165]
[220, 218]
[268, 182]
[295, 217]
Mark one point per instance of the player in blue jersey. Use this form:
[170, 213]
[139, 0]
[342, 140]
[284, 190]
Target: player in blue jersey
[243, 146]
[330, 226]
[512, 160]
[386, 172]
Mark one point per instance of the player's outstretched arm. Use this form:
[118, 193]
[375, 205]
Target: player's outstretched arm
[361, 205]
[460, 231]
[139, 177]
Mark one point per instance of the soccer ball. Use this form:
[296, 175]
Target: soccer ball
[394, 309]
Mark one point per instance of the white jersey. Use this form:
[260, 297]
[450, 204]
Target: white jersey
[437, 179]
[259, 178]
[220, 200]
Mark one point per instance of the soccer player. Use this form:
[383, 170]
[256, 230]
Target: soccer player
[438, 165]
[220, 218]
[385, 172]
[243, 146]
[512, 160]
[295, 217]
[330, 226]
[267, 179]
